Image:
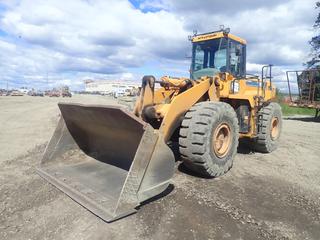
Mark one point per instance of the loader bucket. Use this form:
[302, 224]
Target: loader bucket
[106, 159]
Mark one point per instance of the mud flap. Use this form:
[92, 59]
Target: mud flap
[106, 159]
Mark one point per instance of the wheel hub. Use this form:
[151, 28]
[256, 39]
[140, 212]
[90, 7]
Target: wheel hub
[221, 140]
[274, 129]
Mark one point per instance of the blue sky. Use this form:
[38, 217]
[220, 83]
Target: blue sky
[153, 7]
[2, 11]
[70, 41]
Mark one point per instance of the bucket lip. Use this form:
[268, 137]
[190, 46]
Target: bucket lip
[91, 205]
[87, 106]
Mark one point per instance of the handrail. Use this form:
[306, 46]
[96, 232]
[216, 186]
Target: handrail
[262, 78]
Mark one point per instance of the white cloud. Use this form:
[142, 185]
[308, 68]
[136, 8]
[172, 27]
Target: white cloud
[106, 37]
[112, 39]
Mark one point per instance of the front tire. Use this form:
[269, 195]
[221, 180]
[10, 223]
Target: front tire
[209, 138]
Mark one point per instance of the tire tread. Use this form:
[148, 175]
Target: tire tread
[196, 128]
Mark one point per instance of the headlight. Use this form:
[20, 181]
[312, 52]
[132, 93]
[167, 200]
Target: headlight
[235, 86]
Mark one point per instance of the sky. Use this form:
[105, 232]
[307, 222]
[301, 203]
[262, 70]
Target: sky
[45, 44]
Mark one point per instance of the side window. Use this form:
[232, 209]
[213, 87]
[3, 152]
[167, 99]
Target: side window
[199, 58]
[236, 58]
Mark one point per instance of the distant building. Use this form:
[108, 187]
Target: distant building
[110, 86]
[23, 90]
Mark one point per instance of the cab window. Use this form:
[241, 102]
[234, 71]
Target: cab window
[236, 58]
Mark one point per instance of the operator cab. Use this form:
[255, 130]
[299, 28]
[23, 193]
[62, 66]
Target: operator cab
[217, 52]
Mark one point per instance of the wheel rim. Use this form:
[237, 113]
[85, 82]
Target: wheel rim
[274, 130]
[221, 140]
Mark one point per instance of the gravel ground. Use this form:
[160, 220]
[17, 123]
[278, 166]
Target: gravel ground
[264, 196]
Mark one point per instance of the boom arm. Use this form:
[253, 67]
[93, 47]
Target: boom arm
[169, 103]
[180, 105]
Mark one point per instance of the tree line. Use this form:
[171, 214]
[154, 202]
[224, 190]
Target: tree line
[314, 61]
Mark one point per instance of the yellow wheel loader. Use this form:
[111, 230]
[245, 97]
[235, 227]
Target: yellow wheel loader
[110, 160]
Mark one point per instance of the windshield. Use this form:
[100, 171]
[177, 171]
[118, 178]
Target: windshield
[209, 58]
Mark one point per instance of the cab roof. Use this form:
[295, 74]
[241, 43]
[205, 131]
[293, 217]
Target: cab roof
[216, 35]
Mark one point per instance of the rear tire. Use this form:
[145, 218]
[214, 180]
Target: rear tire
[209, 138]
[269, 128]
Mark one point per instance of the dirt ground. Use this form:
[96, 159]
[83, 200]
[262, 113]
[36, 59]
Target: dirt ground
[264, 196]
